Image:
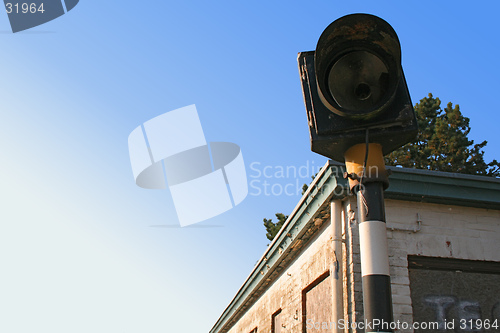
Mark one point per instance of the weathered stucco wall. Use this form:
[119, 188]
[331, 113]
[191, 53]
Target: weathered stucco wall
[286, 292]
[445, 231]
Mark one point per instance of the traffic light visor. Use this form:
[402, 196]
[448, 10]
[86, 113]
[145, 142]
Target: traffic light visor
[358, 65]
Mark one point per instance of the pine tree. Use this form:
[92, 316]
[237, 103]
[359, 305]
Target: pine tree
[273, 228]
[442, 143]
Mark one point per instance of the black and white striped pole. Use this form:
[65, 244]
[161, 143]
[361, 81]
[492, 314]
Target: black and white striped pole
[377, 297]
[368, 178]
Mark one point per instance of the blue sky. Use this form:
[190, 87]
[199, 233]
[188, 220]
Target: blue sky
[83, 249]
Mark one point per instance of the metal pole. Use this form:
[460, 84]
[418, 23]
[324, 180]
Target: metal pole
[338, 269]
[377, 298]
[368, 178]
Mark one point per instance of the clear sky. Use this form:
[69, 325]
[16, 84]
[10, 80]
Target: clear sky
[82, 248]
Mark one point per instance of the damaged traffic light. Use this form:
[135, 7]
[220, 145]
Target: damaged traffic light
[354, 88]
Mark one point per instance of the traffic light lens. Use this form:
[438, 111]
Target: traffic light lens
[358, 81]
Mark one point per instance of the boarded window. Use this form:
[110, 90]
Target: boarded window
[276, 322]
[455, 295]
[317, 305]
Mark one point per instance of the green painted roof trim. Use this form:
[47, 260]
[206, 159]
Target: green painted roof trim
[405, 184]
[444, 188]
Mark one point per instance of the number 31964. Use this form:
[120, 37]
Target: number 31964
[24, 8]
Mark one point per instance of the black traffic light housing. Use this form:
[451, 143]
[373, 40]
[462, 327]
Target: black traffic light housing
[354, 83]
